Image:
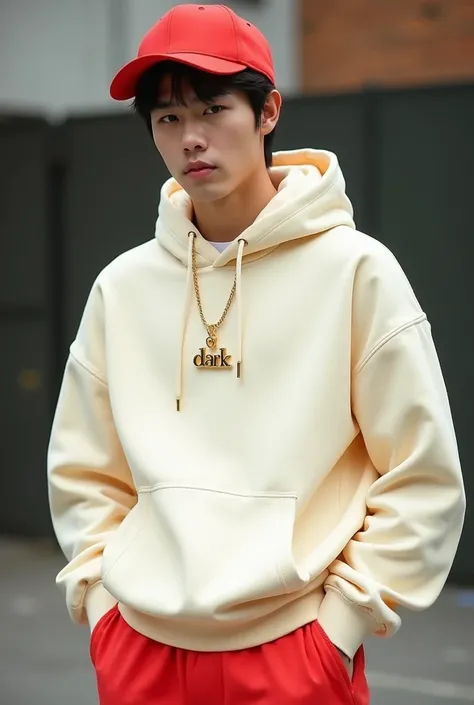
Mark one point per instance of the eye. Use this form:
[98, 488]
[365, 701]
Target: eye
[214, 109]
[168, 118]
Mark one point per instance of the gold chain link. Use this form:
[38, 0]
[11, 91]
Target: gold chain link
[210, 327]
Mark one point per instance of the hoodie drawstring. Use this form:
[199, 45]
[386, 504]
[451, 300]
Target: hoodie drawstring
[238, 296]
[187, 299]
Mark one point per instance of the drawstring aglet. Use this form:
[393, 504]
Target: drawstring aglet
[178, 404]
[239, 366]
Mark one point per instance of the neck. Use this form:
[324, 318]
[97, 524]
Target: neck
[226, 219]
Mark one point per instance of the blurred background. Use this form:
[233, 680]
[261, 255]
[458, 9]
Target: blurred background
[386, 84]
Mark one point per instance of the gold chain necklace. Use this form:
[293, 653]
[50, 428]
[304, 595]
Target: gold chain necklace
[211, 360]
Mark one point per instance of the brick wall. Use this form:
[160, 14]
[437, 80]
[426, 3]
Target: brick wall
[348, 44]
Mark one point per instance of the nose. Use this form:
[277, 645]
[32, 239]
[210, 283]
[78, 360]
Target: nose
[193, 139]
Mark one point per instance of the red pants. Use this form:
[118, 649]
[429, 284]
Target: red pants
[302, 668]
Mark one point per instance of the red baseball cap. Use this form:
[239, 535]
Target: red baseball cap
[208, 37]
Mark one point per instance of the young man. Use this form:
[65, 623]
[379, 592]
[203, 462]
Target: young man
[252, 464]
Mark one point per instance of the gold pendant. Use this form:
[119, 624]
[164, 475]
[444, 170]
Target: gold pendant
[208, 359]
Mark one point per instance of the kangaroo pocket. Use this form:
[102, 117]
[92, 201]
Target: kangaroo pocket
[185, 552]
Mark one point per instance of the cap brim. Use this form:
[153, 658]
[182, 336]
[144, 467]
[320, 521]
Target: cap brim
[124, 85]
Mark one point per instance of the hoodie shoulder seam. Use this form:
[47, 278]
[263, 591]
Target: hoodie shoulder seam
[386, 339]
[88, 368]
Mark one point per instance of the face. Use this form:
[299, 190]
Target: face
[211, 149]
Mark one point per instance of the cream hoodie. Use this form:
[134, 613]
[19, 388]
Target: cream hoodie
[324, 482]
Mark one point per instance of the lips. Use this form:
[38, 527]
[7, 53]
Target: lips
[197, 167]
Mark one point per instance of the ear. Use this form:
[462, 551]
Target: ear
[271, 112]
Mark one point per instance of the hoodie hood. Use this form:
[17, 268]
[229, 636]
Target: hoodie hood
[311, 199]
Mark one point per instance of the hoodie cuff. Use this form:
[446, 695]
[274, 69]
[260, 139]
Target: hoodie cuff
[97, 603]
[345, 624]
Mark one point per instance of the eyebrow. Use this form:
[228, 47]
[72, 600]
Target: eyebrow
[165, 104]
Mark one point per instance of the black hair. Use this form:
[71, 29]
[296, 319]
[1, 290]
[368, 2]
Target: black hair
[207, 87]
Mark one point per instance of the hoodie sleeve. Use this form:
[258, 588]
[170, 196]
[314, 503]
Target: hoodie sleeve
[90, 486]
[415, 509]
